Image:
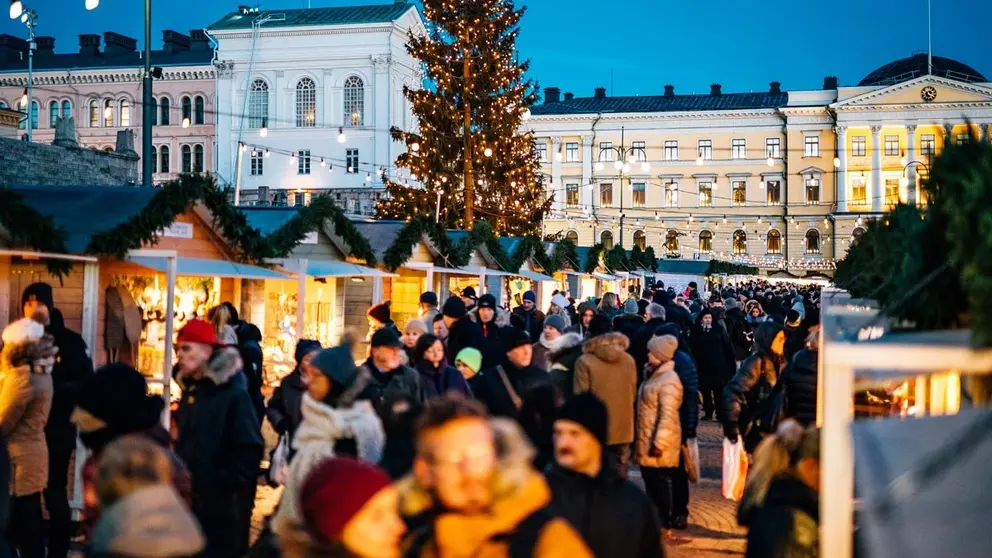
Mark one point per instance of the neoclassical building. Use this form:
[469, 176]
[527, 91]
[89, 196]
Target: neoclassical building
[307, 98]
[783, 180]
[99, 85]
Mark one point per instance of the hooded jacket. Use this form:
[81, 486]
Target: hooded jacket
[545, 349]
[658, 423]
[153, 522]
[71, 368]
[520, 493]
[577, 326]
[607, 371]
[250, 348]
[563, 359]
[787, 523]
[26, 392]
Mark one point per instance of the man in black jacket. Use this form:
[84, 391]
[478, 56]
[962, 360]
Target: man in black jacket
[492, 353]
[389, 378]
[612, 514]
[462, 331]
[218, 438]
[504, 388]
[715, 360]
[72, 367]
[655, 315]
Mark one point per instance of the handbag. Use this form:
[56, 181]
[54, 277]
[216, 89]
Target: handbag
[279, 462]
[690, 458]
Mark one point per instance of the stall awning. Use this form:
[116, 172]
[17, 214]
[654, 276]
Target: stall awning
[200, 267]
[605, 277]
[456, 271]
[498, 273]
[329, 268]
[534, 276]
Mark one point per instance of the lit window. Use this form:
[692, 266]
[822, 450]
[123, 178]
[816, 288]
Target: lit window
[738, 149]
[705, 241]
[672, 244]
[859, 191]
[640, 239]
[859, 146]
[773, 192]
[639, 151]
[572, 195]
[94, 114]
[811, 146]
[739, 192]
[928, 144]
[257, 162]
[740, 242]
[640, 195]
[774, 242]
[108, 113]
[963, 139]
[606, 239]
[306, 104]
[672, 194]
[812, 191]
[891, 146]
[354, 101]
[258, 104]
[303, 161]
[125, 113]
[606, 195]
[705, 194]
[773, 148]
[812, 241]
[706, 149]
[671, 150]
[571, 152]
[351, 160]
[891, 191]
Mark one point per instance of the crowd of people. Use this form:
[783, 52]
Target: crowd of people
[473, 430]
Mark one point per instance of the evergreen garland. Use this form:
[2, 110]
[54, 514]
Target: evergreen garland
[31, 229]
[616, 259]
[592, 260]
[718, 267]
[401, 249]
[650, 259]
[637, 256]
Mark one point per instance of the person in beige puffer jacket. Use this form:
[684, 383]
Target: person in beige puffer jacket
[659, 430]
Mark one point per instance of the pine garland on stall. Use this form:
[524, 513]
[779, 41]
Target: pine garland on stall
[650, 259]
[31, 229]
[592, 259]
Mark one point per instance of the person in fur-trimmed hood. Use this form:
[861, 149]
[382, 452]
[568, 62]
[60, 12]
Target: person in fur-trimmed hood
[218, 436]
[567, 351]
[551, 341]
[26, 390]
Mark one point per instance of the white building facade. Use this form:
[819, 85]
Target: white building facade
[306, 99]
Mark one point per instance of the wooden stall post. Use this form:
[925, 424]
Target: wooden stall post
[301, 295]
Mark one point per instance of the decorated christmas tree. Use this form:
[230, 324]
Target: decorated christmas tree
[469, 159]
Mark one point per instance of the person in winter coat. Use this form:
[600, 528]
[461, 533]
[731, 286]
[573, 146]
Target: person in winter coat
[440, 328]
[411, 333]
[796, 332]
[744, 396]
[781, 501]
[554, 328]
[609, 306]
[587, 490]
[755, 313]
[142, 514]
[532, 318]
[399, 451]
[685, 367]
[26, 392]
[567, 351]
[285, 406]
[335, 422]
[493, 504]
[714, 360]
[560, 306]
[537, 418]
[428, 308]
[385, 372]
[628, 323]
[380, 317]
[607, 371]
[800, 382]
[655, 316]
[587, 310]
[462, 331]
[218, 437]
[248, 341]
[436, 376]
[504, 387]
[738, 328]
[492, 351]
[659, 430]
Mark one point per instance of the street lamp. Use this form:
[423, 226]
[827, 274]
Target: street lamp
[904, 181]
[626, 156]
[29, 18]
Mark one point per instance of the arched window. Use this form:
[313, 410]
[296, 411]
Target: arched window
[163, 155]
[125, 113]
[306, 103]
[187, 105]
[35, 108]
[108, 113]
[573, 237]
[66, 109]
[22, 124]
[3, 104]
[187, 156]
[740, 242]
[53, 113]
[672, 244]
[812, 241]
[773, 242]
[856, 234]
[94, 114]
[198, 111]
[198, 158]
[606, 239]
[640, 240]
[705, 241]
[258, 104]
[154, 111]
[354, 101]
[165, 109]
[154, 156]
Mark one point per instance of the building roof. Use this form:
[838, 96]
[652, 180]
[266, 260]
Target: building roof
[380, 234]
[661, 103]
[78, 61]
[915, 66]
[343, 15]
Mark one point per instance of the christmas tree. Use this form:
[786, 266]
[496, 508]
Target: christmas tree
[469, 159]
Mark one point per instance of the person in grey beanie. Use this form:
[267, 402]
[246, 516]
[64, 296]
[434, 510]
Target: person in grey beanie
[553, 339]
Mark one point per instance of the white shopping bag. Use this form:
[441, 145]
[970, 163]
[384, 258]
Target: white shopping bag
[734, 470]
[278, 464]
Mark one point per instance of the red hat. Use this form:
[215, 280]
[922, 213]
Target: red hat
[335, 491]
[198, 331]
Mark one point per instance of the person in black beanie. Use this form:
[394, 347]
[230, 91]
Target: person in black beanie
[613, 515]
[599, 325]
[505, 387]
[462, 331]
[284, 408]
[72, 366]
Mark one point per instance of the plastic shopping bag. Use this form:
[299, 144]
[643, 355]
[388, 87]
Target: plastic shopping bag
[278, 464]
[690, 456]
[734, 470]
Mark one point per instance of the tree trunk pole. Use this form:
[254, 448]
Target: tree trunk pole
[469, 177]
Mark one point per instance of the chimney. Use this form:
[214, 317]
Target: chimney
[89, 44]
[198, 40]
[46, 46]
[569, 97]
[173, 41]
[116, 44]
[775, 87]
[600, 93]
[12, 49]
[830, 82]
[715, 90]
[552, 95]
[669, 91]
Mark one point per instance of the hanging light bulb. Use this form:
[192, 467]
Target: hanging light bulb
[341, 137]
[24, 96]
[186, 122]
[691, 218]
[761, 185]
[525, 114]
[724, 219]
[699, 160]
[322, 163]
[558, 156]
[836, 162]
[618, 164]
[759, 219]
[415, 146]
[330, 167]
[263, 131]
[243, 147]
[368, 177]
[771, 162]
[626, 168]
[254, 153]
[267, 154]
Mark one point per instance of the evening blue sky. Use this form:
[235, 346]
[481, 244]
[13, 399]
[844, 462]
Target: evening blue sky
[574, 44]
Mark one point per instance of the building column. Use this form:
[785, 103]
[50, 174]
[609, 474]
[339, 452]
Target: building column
[557, 190]
[911, 170]
[586, 193]
[380, 124]
[876, 169]
[841, 192]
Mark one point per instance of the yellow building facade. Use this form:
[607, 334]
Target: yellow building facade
[782, 180]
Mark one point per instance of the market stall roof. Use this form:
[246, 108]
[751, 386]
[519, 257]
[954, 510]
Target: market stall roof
[455, 271]
[380, 234]
[201, 267]
[683, 267]
[533, 275]
[328, 268]
[605, 276]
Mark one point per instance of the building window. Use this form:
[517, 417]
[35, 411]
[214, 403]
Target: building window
[672, 244]
[705, 241]
[773, 148]
[542, 151]
[199, 110]
[108, 113]
[94, 114]
[125, 113]
[705, 194]
[859, 146]
[859, 191]
[738, 149]
[774, 242]
[773, 192]
[257, 162]
[163, 154]
[187, 158]
[572, 237]
[303, 161]
[166, 110]
[53, 113]
[671, 150]
[640, 239]
[671, 194]
[739, 192]
[606, 153]
[197, 158]
[812, 241]
[963, 139]
[812, 191]
[354, 101]
[706, 150]
[187, 108]
[351, 160]
[306, 104]
[606, 195]
[891, 146]
[891, 191]
[571, 152]
[928, 144]
[639, 194]
[811, 146]
[740, 242]
[154, 156]
[572, 195]
[606, 239]
[258, 104]
[638, 151]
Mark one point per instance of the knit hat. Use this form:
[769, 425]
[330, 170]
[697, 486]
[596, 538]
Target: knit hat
[454, 307]
[469, 292]
[335, 491]
[430, 297]
[670, 329]
[380, 313]
[663, 347]
[630, 307]
[198, 331]
[42, 292]
[487, 301]
[555, 321]
[118, 395]
[22, 331]
[529, 295]
[416, 325]
[514, 337]
[305, 347]
[386, 337]
[731, 303]
[471, 357]
[600, 324]
[560, 301]
[338, 364]
[588, 411]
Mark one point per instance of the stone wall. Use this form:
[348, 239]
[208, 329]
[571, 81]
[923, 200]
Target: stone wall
[39, 164]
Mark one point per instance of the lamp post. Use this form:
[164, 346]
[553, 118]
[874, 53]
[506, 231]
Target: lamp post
[626, 156]
[29, 18]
